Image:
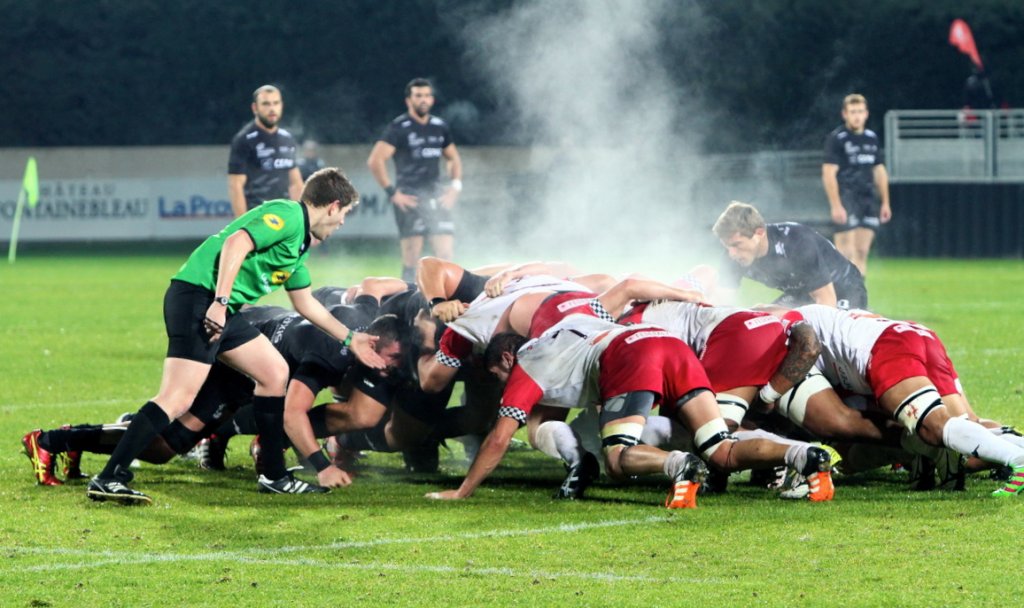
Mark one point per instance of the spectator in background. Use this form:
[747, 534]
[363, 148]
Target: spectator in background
[856, 182]
[262, 162]
[310, 161]
[423, 206]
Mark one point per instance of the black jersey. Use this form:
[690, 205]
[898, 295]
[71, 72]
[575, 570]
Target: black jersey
[265, 159]
[417, 151]
[856, 154]
[314, 358]
[799, 261]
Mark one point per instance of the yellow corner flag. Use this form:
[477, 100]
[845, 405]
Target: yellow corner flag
[30, 184]
[30, 194]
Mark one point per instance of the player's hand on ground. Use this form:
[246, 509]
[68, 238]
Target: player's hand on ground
[404, 201]
[839, 215]
[448, 311]
[446, 495]
[363, 348]
[333, 477]
[216, 318]
[885, 214]
[449, 198]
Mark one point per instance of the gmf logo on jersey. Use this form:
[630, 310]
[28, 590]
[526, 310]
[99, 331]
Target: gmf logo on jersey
[278, 277]
[273, 221]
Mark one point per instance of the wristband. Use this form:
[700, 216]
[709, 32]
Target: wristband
[348, 339]
[456, 185]
[318, 460]
[390, 190]
[438, 300]
[768, 394]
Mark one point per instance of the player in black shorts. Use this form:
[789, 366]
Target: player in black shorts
[262, 164]
[786, 256]
[856, 182]
[423, 206]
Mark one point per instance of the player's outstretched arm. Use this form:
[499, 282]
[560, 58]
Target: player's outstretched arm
[487, 459]
[362, 344]
[297, 403]
[634, 288]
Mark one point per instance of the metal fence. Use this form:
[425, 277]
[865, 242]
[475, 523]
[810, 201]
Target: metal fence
[955, 145]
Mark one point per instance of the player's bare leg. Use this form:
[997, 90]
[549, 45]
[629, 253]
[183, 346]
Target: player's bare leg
[916, 404]
[411, 248]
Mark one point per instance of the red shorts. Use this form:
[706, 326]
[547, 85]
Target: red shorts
[634, 315]
[898, 354]
[558, 306]
[940, 368]
[744, 350]
[650, 360]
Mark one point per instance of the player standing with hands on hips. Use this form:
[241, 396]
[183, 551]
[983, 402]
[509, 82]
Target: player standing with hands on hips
[856, 183]
[254, 255]
[423, 206]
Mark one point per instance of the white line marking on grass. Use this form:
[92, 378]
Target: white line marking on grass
[252, 555]
[143, 559]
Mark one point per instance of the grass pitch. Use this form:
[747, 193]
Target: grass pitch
[82, 341]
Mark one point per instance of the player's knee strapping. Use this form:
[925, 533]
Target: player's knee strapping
[732, 407]
[615, 434]
[709, 437]
[793, 403]
[916, 406]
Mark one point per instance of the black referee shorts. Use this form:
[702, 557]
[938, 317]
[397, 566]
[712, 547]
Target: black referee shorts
[185, 307]
[427, 218]
[862, 211]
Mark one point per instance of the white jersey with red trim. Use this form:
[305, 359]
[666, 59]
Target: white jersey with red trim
[847, 339]
[481, 318]
[564, 361]
[692, 323]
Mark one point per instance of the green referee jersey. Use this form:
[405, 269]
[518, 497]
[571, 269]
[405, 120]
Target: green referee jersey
[280, 231]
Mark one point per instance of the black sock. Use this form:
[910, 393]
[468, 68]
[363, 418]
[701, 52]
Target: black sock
[318, 420]
[146, 425]
[180, 438]
[368, 439]
[269, 412]
[78, 438]
[242, 423]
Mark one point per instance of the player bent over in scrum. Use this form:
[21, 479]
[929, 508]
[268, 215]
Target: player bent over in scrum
[889, 360]
[582, 360]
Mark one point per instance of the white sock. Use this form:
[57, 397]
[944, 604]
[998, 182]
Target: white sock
[746, 435]
[972, 439]
[557, 440]
[796, 456]
[1001, 433]
[657, 431]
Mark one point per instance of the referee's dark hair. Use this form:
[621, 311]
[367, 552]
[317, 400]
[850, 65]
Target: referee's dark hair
[267, 88]
[417, 82]
[328, 185]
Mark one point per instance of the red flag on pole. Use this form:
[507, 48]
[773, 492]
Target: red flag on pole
[960, 36]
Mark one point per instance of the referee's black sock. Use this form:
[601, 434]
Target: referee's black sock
[146, 425]
[269, 413]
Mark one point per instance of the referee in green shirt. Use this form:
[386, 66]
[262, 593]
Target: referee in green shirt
[257, 253]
